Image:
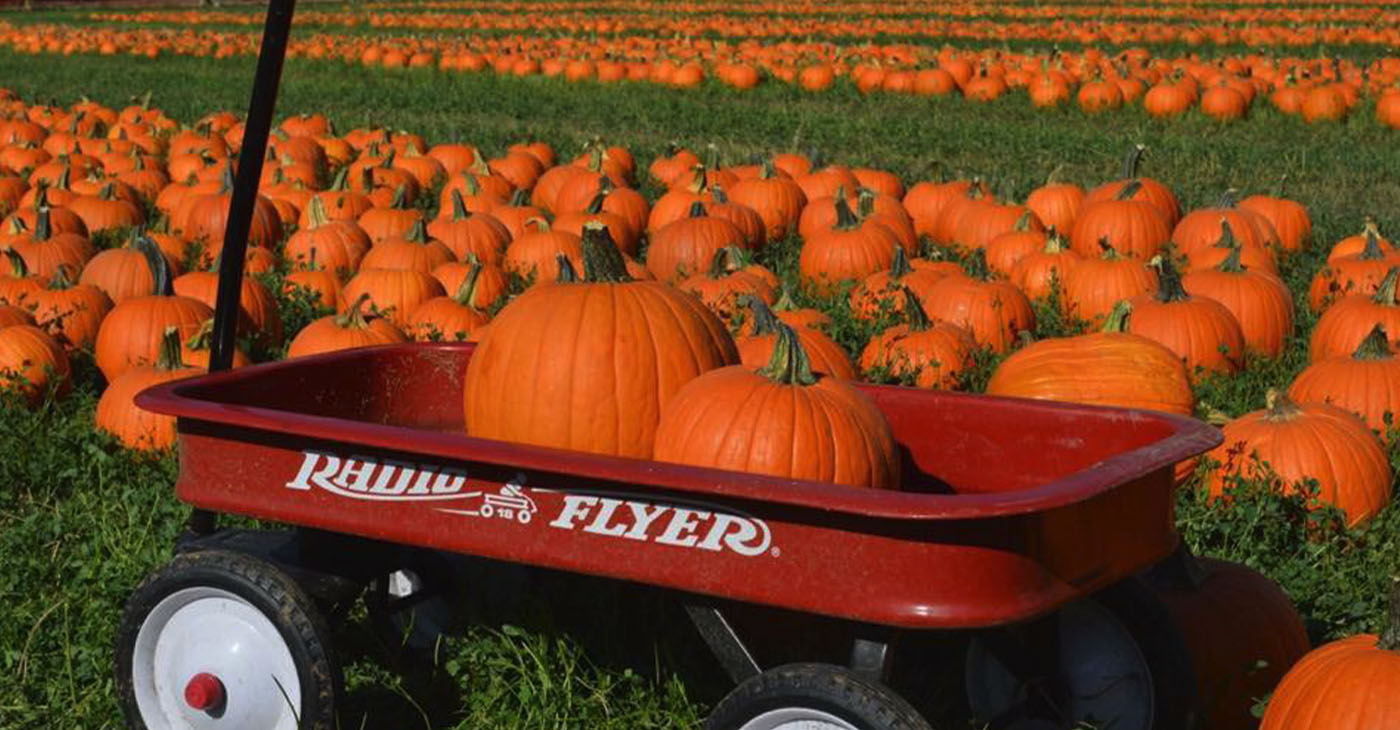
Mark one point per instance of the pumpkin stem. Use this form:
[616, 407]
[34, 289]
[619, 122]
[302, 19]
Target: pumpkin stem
[18, 269]
[567, 274]
[459, 207]
[1390, 635]
[1373, 249]
[1023, 223]
[1129, 190]
[1385, 294]
[541, 225]
[1376, 346]
[316, 212]
[723, 260]
[341, 183]
[418, 233]
[43, 226]
[789, 364]
[60, 279]
[160, 268]
[1282, 183]
[602, 260]
[1055, 242]
[767, 171]
[354, 316]
[1169, 287]
[1117, 320]
[467, 291]
[1279, 406]
[168, 358]
[1231, 264]
[900, 268]
[1130, 163]
[865, 203]
[400, 200]
[914, 311]
[846, 219]
[1228, 198]
[712, 156]
[226, 184]
[595, 206]
[697, 209]
[785, 302]
[764, 321]
[718, 195]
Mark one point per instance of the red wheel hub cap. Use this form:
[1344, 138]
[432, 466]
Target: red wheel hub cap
[204, 692]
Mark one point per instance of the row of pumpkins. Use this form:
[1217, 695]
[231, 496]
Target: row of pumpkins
[1226, 89]
[691, 353]
[1175, 295]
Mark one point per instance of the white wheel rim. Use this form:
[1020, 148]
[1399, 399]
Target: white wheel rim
[1105, 672]
[797, 718]
[210, 630]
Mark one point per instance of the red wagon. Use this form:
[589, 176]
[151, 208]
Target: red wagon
[1024, 523]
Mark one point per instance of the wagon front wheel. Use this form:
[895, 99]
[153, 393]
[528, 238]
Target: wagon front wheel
[813, 697]
[219, 639]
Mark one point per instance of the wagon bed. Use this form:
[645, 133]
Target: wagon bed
[1008, 508]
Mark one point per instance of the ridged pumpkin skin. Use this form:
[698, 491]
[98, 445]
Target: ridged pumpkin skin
[934, 357]
[1201, 331]
[1289, 218]
[1350, 684]
[1308, 441]
[1260, 301]
[1093, 286]
[994, 312]
[818, 429]
[134, 427]
[31, 362]
[1242, 633]
[394, 293]
[1102, 368]
[1345, 324]
[1366, 383]
[828, 357]
[344, 332]
[130, 334]
[589, 366]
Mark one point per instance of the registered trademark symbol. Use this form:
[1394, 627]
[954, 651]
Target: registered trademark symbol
[775, 552]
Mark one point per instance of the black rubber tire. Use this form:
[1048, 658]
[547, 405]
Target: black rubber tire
[265, 587]
[825, 687]
[1134, 604]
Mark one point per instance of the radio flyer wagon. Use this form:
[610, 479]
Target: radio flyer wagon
[1024, 524]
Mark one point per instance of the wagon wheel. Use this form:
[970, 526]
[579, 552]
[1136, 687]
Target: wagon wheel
[222, 639]
[813, 697]
[1115, 660]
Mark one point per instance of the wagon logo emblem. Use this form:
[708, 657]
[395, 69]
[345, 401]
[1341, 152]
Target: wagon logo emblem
[386, 480]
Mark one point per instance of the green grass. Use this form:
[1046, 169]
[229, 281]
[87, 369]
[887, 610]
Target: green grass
[81, 521]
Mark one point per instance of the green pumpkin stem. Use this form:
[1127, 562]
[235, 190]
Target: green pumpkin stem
[567, 274]
[1130, 163]
[1376, 346]
[865, 203]
[354, 315]
[785, 302]
[226, 183]
[595, 206]
[602, 261]
[1169, 287]
[400, 200]
[1390, 634]
[168, 358]
[697, 210]
[1373, 249]
[459, 207]
[160, 268]
[789, 364]
[718, 195]
[467, 291]
[43, 224]
[1279, 407]
[1385, 293]
[519, 198]
[900, 267]
[1129, 190]
[765, 322]
[767, 171]
[1228, 199]
[60, 279]
[341, 183]
[914, 311]
[18, 269]
[1231, 264]
[724, 260]
[1055, 242]
[316, 213]
[418, 233]
[1117, 320]
[846, 219]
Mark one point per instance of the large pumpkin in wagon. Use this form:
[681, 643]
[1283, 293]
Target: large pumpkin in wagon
[589, 365]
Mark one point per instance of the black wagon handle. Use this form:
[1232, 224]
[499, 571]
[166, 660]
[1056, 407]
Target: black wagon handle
[256, 128]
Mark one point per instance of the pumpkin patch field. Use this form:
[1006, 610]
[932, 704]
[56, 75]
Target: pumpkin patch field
[1182, 207]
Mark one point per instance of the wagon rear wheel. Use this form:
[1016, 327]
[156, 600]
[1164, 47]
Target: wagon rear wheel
[1114, 660]
[813, 697]
[220, 639]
